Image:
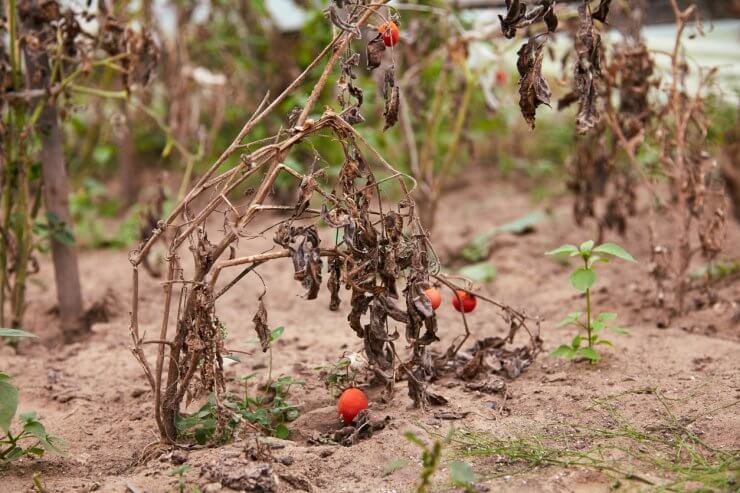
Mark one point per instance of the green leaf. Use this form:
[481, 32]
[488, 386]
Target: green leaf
[276, 333]
[606, 316]
[586, 246]
[563, 352]
[582, 279]
[576, 343]
[281, 431]
[394, 466]
[615, 250]
[523, 224]
[28, 418]
[14, 453]
[180, 470]
[59, 230]
[569, 319]
[461, 474]
[15, 333]
[562, 250]
[605, 342]
[479, 248]
[411, 437]
[589, 353]
[482, 272]
[596, 258]
[8, 402]
[34, 427]
[597, 326]
[292, 414]
[620, 330]
[37, 451]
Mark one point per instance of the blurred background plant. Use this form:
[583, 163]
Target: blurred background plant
[131, 149]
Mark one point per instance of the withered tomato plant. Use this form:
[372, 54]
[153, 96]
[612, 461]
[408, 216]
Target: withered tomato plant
[377, 251]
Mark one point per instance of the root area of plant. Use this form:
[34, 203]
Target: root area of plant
[659, 411]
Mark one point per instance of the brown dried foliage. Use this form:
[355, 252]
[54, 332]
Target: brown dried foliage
[379, 246]
[698, 200]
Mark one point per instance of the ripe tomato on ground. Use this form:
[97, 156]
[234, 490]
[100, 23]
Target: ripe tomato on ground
[351, 402]
[434, 297]
[464, 301]
[390, 33]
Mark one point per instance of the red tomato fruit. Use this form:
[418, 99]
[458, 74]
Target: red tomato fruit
[351, 402]
[501, 77]
[434, 297]
[466, 302]
[390, 33]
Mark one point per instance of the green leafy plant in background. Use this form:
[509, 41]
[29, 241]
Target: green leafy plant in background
[32, 438]
[95, 216]
[479, 247]
[52, 229]
[583, 279]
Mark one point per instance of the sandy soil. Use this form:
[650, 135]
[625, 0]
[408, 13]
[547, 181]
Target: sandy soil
[93, 393]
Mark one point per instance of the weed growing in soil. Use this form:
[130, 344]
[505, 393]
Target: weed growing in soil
[667, 456]
[583, 279]
[337, 376]
[180, 472]
[38, 486]
[430, 457]
[269, 411]
[461, 474]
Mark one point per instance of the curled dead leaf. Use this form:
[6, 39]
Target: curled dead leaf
[260, 325]
[533, 88]
[375, 49]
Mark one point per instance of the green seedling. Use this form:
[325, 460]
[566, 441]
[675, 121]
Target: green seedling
[269, 408]
[479, 249]
[180, 472]
[270, 411]
[461, 474]
[430, 457]
[38, 486]
[337, 376]
[275, 334]
[583, 279]
[31, 439]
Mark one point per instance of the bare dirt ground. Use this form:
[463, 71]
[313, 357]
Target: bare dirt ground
[661, 398]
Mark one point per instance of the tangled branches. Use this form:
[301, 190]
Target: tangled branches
[630, 96]
[379, 246]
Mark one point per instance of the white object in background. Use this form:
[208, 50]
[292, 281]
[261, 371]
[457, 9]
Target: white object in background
[286, 14]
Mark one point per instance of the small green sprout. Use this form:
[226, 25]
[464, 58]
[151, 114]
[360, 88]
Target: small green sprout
[269, 408]
[583, 279]
[180, 472]
[461, 474]
[337, 376]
